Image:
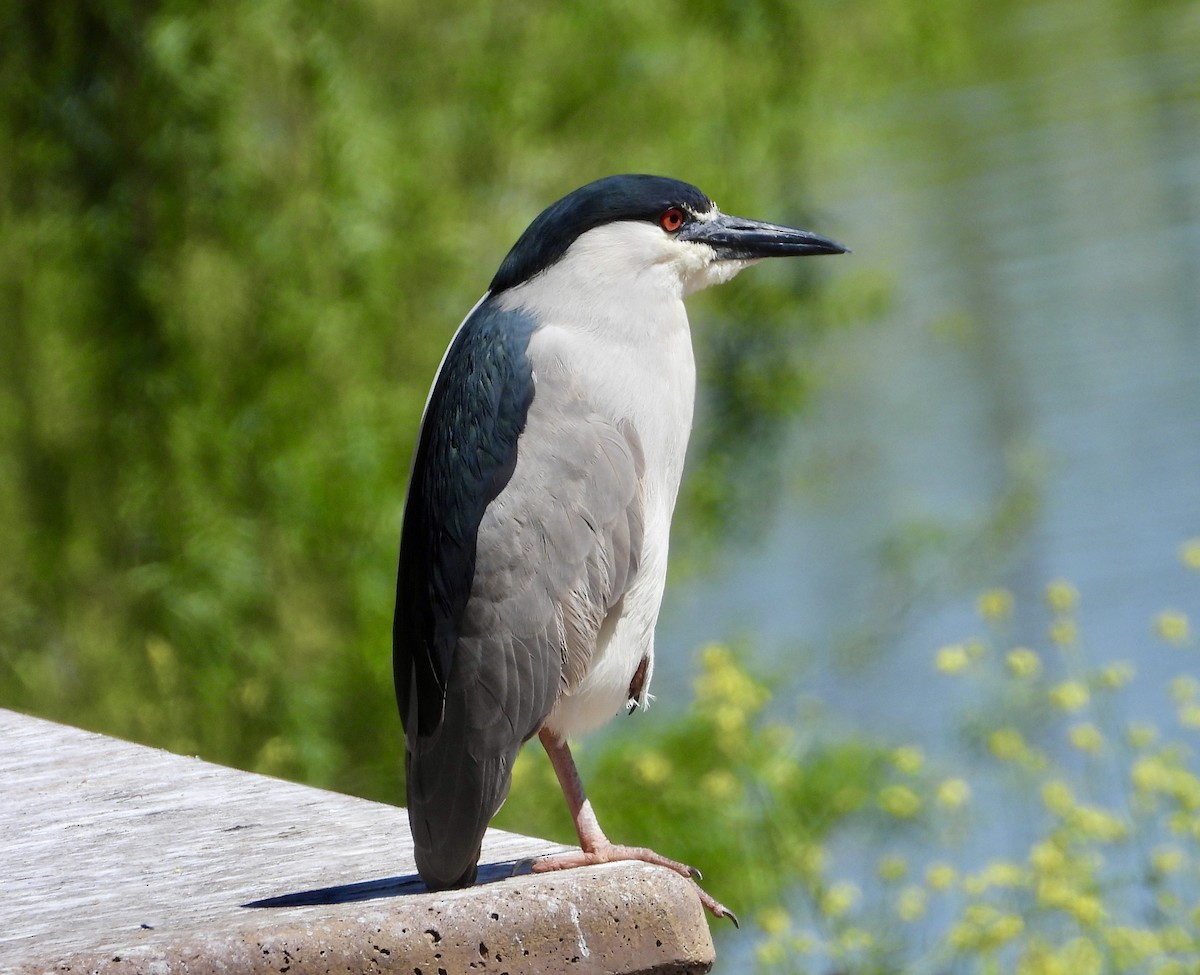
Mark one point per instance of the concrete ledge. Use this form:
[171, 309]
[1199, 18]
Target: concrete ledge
[118, 859]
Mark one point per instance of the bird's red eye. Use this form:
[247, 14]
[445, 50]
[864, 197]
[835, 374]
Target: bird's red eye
[671, 220]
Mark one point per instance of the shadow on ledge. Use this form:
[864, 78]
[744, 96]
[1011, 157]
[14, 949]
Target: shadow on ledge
[385, 887]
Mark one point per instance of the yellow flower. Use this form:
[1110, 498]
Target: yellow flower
[722, 681]
[984, 928]
[953, 793]
[276, 753]
[720, 785]
[900, 801]
[908, 759]
[1141, 735]
[1185, 688]
[1189, 553]
[892, 868]
[1064, 632]
[802, 944]
[1058, 797]
[1007, 744]
[1086, 737]
[953, 659]
[1189, 715]
[848, 798]
[774, 920]
[1039, 959]
[995, 605]
[1079, 956]
[912, 903]
[963, 937]
[1082, 957]
[1117, 675]
[771, 954]
[652, 767]
[940, 876]
[1172, 627]
[779, 771]
[730, 720]
[1070, 695]
[1002, 873]
[1181, 824]
[1047, 857]
[1024, 663]
[1177, 939]
[1131, 947]
[853, 940]
[839, 899]
[1099, 824]
[1005, 928]
[1062, 596]
[715, 656]
[1086, 909]
[1168, 859]
[1053, 891]
[1150, 774]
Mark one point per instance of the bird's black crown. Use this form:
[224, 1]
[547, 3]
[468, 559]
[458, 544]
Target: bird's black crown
[627, 197]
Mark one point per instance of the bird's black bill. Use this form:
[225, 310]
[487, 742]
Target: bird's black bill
[739, 239]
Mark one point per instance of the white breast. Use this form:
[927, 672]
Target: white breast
[612, 311]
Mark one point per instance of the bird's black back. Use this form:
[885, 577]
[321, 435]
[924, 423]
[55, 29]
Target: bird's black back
[466, 453]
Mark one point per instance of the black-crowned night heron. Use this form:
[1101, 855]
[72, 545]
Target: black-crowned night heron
[534, 547]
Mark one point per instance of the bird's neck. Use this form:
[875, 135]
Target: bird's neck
[634, 304]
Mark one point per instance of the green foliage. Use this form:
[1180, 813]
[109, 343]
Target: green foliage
[1109, 882]
[236, 239]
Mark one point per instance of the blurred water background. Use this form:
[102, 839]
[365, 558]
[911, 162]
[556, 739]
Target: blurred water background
[1028, 406]
[1025, 409]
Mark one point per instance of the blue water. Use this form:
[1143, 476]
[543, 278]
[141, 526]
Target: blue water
[1039, 228]
[1044, 336]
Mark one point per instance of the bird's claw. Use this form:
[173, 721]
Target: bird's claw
[714, 906]
[609, 853]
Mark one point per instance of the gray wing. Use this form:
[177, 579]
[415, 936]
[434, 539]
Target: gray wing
[556, 550]
[466, 453]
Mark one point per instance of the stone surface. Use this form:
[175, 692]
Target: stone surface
[118, 858]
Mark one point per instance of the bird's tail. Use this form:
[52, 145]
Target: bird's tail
[452, 796]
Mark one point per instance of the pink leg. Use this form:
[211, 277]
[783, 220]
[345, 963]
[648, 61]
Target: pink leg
[596, 847]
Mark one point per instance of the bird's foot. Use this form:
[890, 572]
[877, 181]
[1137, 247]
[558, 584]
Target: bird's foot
[613, 852]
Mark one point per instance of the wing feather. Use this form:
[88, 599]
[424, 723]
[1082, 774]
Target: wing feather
[518, 543]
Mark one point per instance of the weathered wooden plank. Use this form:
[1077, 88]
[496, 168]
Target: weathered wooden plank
[119, 858]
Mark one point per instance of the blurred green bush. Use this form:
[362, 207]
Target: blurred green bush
[234, 240]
